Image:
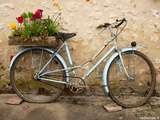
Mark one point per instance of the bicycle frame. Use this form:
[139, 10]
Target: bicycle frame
[78, 66]
[113, 49]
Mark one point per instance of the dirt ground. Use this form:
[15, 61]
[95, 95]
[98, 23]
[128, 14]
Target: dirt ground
[77, 108]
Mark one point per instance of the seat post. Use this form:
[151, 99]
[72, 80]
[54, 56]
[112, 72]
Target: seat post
[68, 53]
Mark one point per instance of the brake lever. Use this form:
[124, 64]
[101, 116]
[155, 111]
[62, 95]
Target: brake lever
[105, 25]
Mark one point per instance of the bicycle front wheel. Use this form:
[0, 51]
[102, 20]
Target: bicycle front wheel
[24, 69]
[136, 90]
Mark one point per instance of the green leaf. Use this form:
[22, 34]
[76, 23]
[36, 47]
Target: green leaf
[30, 14]
[40, 27]
[24, 15]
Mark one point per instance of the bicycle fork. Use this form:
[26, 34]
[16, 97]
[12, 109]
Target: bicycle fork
[123, 66]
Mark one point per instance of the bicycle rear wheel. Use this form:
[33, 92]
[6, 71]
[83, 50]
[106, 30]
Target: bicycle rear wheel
[24, 69]
[136, 91]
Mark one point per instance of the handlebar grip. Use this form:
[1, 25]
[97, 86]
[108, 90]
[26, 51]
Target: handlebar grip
[121, 22]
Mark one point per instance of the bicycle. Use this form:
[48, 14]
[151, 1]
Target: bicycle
[40, 74]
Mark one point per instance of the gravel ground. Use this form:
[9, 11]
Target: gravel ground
[76, 108]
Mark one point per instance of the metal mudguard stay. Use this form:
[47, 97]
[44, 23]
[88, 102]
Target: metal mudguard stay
[47, 49]
[106, 68]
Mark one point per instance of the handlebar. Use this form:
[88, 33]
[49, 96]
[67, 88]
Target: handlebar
[113, 25]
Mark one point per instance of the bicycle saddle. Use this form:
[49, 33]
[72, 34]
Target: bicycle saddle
[65, 36]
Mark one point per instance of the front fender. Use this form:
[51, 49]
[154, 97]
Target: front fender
[106, 68]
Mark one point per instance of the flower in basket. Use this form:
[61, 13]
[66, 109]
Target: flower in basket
[20, 19]
[32, 24]
[13, 26]
[37, 14]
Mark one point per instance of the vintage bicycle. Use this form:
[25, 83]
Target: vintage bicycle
[40, 74]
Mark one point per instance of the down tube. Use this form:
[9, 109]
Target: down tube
[99, 62]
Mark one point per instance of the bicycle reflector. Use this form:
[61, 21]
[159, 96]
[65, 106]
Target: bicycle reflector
[133, 44]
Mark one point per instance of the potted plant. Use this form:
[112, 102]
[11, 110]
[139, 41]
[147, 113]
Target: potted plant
[32, 30]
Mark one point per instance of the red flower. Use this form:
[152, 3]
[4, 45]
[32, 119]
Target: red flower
[20, 19]
[37, 14]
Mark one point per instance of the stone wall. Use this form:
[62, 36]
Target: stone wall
[82, 16]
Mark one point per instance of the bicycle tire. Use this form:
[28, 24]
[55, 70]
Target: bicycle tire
[117, 90]
[23, 69]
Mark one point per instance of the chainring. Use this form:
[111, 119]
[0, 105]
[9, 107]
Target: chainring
[77, 85]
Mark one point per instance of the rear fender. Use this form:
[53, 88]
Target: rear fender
[49, 50]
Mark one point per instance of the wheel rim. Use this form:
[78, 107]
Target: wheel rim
[24, 70]
[127, 92]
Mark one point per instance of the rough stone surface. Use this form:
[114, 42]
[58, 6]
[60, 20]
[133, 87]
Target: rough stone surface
[155, 101]
[112, 108]
[14, 100]
[143, 25]
[63, 110]
[7, 5]
[1, 26]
